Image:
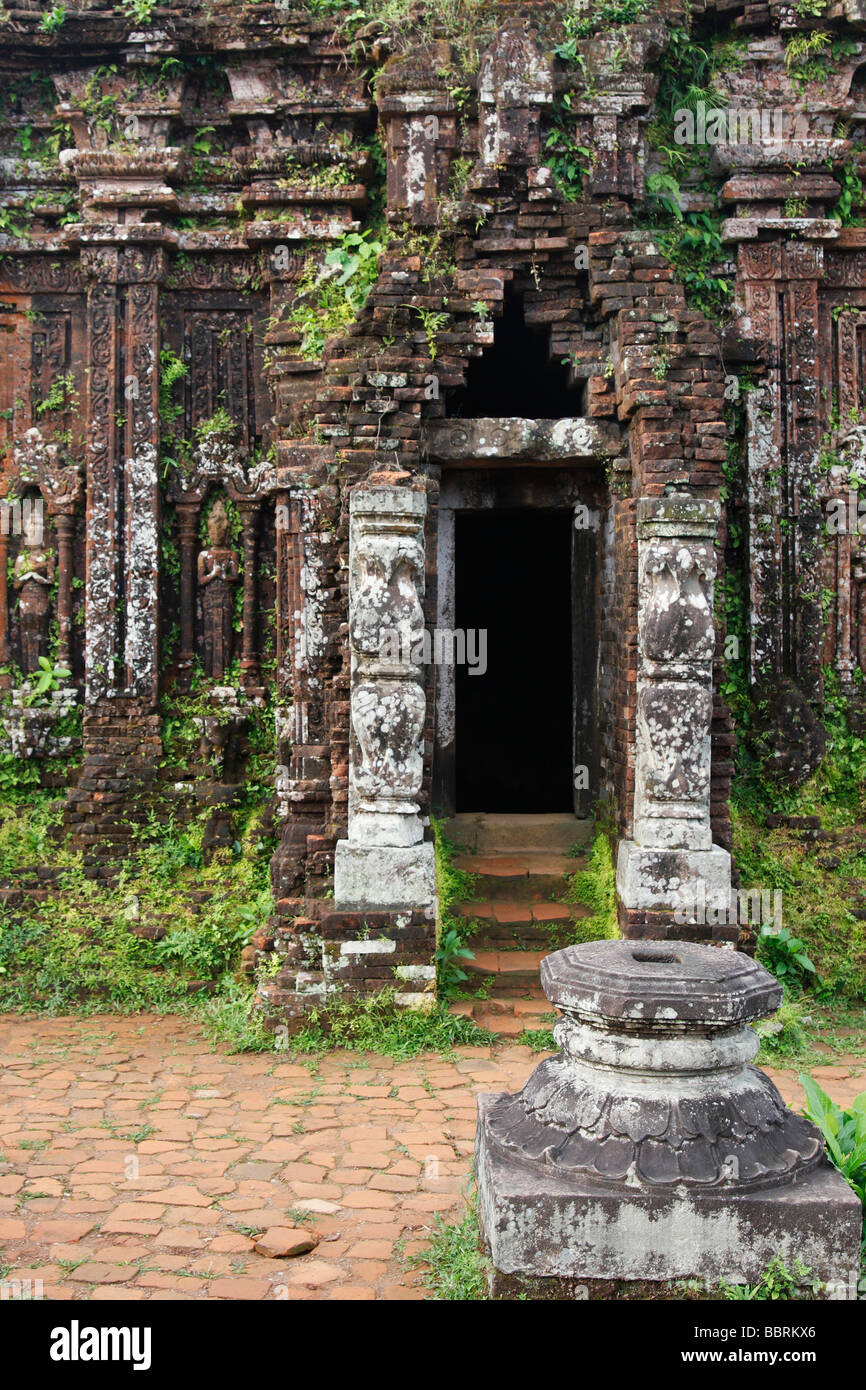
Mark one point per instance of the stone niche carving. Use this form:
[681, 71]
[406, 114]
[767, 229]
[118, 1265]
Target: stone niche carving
[218, 573]
[648, 1148]
[61, 486]
[385, 863]
[33, 577]
[672, 848]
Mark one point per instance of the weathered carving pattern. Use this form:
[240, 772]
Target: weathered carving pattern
[386, 587]
[218, 572]
[676, 633]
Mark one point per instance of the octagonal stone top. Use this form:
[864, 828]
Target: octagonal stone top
[663, 984]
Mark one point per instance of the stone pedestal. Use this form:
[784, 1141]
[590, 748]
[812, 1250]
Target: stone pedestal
[649, 1149]
[399, 876]
[656, 880]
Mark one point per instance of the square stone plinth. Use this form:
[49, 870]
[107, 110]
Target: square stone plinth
[383, 877]
[546, 1224]
[672, 879]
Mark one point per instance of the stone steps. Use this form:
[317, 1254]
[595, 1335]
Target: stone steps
[500, 834]
[530, 876]
[505, 925]
[520, 865]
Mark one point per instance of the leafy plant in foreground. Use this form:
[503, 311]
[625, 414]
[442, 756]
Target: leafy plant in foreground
[785, 955]
[844, 1132]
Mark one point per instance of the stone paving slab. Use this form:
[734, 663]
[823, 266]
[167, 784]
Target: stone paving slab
[138, 1163]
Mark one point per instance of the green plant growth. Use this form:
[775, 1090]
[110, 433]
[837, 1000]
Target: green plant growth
[61, 396]
[777, 1282]
[844, 1132]
[597, 18]
[141, 11]
[218, 423]
[850, 198]
[53, 19]
[570, 162]
[453, 885]
[811, 57]
[454, 1268]
[785, 955]
[377, 1024]
[77, 950]
[331, 296]
[172, 369]
[50, 677]
[595, 887]
[537, 1039]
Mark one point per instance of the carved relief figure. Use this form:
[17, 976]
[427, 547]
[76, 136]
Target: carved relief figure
[218, 572]
[388, 720]
[678, 617]
[387, 618]
[33, 577]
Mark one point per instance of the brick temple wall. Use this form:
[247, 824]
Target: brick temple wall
[169, 189]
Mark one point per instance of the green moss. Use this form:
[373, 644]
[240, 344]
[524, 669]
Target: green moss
[595, 888]
[76, 950]
[454, 1267]
[453, 885]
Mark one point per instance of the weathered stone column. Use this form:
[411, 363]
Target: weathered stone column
[250, 673]
[671, 849]
[5, 680]
[187, 528]
[385, 862]
[64, 523]
[123, 518]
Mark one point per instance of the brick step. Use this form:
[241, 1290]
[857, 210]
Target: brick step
[519, 926]
[486, 833]
[511, 974]
[533, 875]
[522, 937]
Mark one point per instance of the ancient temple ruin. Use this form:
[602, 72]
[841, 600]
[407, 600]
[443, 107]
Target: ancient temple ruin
[235, 491]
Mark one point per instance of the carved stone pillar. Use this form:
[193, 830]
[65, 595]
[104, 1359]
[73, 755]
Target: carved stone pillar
[64, 525]
[122, 484]
[421, 135]
[187, 527]
[385, 863]
[672, 850]
[250, 673]
[515, 79]
[4, 604]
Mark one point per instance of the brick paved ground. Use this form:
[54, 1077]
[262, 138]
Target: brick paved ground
[135, 1161]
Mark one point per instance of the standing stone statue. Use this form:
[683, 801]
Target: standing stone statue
[33, 577]
[218, 572]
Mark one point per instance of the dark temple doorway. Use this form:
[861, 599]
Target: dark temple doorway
[514, 722]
